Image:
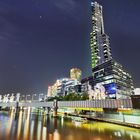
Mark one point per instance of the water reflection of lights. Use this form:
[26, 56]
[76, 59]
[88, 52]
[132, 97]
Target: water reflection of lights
[39, 130]
[50, 137]
[111, 136]
[62, 121]
[103, 127]
[117, 134]
[131, 136]
[19, 124]
[70, 137]
[44, 120]
[96, 138]
[32, 130]
[26, 126]
[77, 124]
[56, 135]
[10, 123]
[44, 133]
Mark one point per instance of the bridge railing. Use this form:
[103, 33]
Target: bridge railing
[108, 103]
[9, 104]
[122, 103]
[36, 104]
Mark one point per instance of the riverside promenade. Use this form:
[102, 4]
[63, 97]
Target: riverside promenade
[113, 121]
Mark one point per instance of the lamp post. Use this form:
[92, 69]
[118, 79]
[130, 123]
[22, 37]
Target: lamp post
[23, 96]
[45, 97]
[40, 95]
[33, 96]
[27, 97]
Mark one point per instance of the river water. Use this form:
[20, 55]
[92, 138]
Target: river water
[29, 126]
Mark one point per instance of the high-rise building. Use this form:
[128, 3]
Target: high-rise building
[67, 86]
[137, 91]
[63, 87]
[105, 70]
[52, 90]
[49, 91]
[99, 41]
[75, 73]
[117, 82]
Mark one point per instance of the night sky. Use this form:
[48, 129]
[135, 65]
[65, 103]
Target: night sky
[40, 40]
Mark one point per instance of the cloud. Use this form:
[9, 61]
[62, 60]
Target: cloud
[8, 31]
[65, 5]
[68, 7]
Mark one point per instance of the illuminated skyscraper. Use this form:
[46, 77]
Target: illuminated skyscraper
[106, 71]
[99, 41]
[63, 86]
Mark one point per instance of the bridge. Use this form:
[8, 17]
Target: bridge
[87, 104]
[108, 103]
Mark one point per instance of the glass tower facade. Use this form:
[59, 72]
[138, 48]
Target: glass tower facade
[99, 41]
[118, 83]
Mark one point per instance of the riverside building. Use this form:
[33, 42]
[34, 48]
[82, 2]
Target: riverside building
[105, 70]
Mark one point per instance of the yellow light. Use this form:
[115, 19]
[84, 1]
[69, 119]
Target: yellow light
[89, 109]
[19, 124]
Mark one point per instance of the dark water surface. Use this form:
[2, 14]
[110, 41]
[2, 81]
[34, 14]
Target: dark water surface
[27, 126]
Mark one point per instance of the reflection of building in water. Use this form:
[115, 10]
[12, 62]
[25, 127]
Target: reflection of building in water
[50, 136]
[44, 120]
[50, 125]
[55, 123]
[56, 135]
[68, 132]
[44, 133]
[10, 124]
[35, 120]
[32, 130]
[39, 130]
[26, 124]
[19, 124]
[52, 132]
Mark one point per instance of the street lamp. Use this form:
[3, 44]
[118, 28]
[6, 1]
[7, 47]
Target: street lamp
[45, 97]
[33, 96]
[40, 95]
[23, 97]
[27, 96]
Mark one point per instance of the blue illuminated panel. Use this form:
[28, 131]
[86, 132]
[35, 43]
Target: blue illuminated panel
[111, 88]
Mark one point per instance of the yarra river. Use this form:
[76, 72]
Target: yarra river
[31, 126]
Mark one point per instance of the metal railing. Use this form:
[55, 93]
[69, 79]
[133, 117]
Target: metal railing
[108, 103]
[122, 103]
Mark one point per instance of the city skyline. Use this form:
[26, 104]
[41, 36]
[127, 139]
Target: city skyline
[26, 62]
